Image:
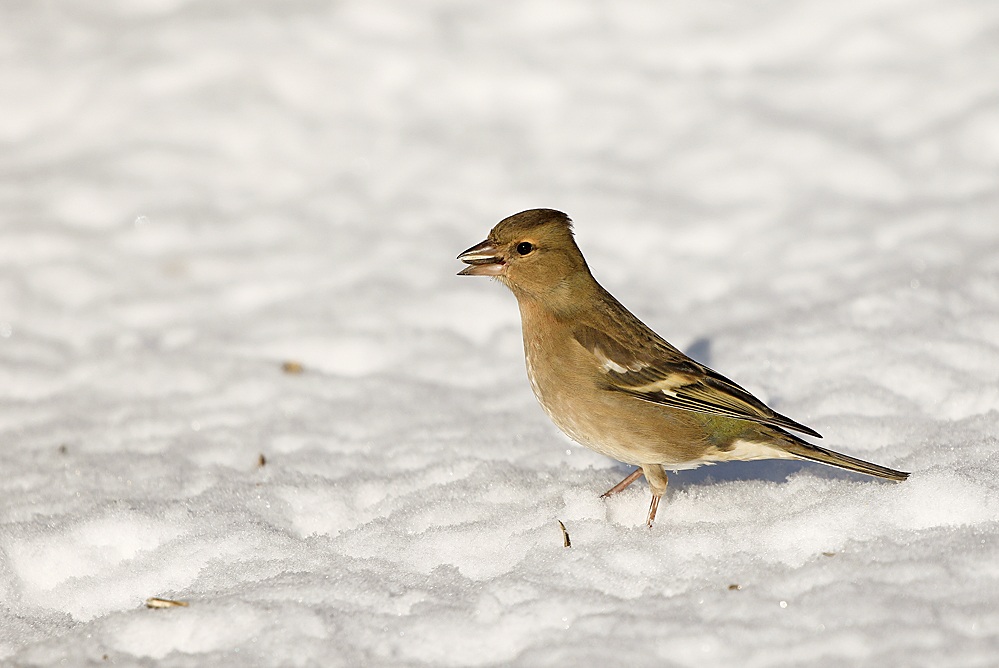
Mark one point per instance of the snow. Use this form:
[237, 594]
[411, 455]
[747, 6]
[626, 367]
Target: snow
[803, 194]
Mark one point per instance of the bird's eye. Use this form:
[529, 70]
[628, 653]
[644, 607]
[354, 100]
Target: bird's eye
[525, 247]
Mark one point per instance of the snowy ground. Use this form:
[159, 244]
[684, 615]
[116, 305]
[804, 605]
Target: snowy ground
[804, 194]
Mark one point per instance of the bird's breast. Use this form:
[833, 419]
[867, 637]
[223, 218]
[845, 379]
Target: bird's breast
[550, 374]
[565, 384]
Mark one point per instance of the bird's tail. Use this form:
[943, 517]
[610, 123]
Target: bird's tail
[799, 448]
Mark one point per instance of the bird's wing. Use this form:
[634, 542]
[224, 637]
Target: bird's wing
[652, 370]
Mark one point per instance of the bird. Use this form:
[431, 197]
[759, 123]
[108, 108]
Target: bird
[612, 384]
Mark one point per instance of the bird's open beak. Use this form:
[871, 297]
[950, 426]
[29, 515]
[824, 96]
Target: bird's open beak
[485, 261]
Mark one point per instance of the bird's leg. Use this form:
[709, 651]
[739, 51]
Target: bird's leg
[652, 510]
[632, 477]
[656, 476]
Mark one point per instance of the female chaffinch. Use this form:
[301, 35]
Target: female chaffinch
[615, 386]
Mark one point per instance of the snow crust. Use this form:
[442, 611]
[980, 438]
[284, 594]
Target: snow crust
[802, 194]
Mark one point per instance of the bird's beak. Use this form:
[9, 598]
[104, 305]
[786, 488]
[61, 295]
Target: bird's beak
[485, 260]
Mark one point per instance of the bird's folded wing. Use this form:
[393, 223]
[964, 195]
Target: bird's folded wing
[653, 370]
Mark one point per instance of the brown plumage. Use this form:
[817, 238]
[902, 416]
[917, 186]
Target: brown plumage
[615, 386]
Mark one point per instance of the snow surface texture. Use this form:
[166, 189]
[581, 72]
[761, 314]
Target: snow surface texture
[804, 194]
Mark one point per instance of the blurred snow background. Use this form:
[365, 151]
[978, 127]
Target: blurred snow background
[803, 194]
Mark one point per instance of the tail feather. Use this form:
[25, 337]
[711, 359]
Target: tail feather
[814, 453]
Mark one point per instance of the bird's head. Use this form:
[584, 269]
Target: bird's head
[532, 252]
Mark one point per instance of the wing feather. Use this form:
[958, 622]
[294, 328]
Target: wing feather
[653, 370]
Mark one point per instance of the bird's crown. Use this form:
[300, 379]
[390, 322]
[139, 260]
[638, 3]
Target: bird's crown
[532, 222]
